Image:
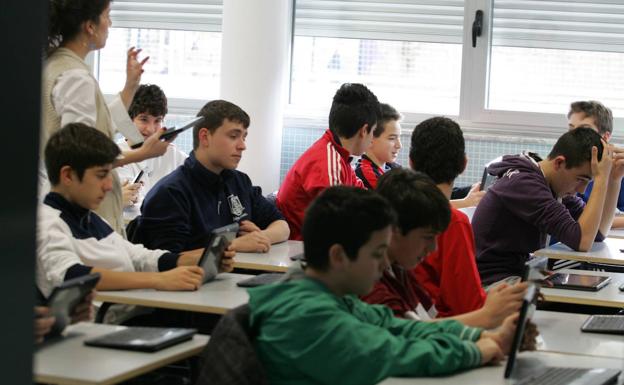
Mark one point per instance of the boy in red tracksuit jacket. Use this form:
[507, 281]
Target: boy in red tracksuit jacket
[352, 119]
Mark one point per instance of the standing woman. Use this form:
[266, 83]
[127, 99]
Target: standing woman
[71, 93]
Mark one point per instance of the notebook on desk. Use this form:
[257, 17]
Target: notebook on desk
[142, 338]
[532, 372]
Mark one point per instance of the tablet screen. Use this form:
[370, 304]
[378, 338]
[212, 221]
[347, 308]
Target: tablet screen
[577, 280]
[211, 258]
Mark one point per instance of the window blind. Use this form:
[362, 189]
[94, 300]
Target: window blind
[559, 24]
[189, 15]
[401, 20]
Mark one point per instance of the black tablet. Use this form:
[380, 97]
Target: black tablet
[171, 132]
[577, 281]
[219, 239]
[487, 180]
[67, 296]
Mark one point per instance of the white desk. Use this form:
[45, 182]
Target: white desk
[215, 297]
[493, 375]
[616, 233]
[276, 260]
[608, 296]
[69, 362]
[601, 252]
[561, 333]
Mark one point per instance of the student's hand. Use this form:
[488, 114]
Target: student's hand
[84, 310]
[254, 242]
[474, 195]
[617, 169]
[490, 351]
[502, 301]
[130, 193]
[43, 322]
[247, 227]
[180, 278]
[503, 336]
[152, 146]
[601, 168]
[227, 262]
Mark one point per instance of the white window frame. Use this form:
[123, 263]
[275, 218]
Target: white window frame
[181, 15]
[473, 116]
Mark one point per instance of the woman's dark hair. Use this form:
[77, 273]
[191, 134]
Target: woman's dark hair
[66, 17]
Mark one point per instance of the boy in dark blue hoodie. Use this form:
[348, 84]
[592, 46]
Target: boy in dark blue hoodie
[534, 198]
[207, 192]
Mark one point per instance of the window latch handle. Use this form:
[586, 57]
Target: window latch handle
[477, 27]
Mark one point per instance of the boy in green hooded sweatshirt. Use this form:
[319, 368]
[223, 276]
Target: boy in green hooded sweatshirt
[316, 331]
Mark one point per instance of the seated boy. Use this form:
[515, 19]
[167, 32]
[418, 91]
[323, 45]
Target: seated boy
[316, 331]
[534, 198]
[208, 192]
[72, 240]
[423, 216]
[449, 274]
[147, 111]
[352, 120]
[384, 148]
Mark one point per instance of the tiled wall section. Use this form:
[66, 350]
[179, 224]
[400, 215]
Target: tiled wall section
[480, 150]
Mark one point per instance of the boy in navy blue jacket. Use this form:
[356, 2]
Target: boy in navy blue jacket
[207, 192]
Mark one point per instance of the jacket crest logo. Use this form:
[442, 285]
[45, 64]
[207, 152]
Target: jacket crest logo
[236, 207]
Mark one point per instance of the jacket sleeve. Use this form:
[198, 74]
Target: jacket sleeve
[264, 212]
[165, 221]
[542, 210]
[55, 250]
[147, 260]
[367, 352]
[460, 284]
[576, 205]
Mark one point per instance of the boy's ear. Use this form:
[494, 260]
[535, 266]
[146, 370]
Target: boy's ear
[204, 137]
[559, 162]
[363, 131]
[66, 175]
[337, 257]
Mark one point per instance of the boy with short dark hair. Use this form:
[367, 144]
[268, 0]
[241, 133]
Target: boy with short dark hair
[384, 148]
[147, 111]
[352, 120]
[316, 331]
[449, 274]
[208, 192]
[534, 198]
[72, 240]
[424, 213]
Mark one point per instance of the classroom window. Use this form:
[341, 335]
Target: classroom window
[185, 64]
[408, 53]
[546, 54]
[532, 60]
[182, 39]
